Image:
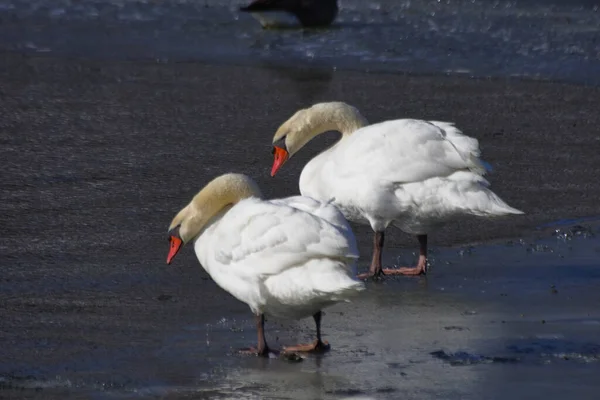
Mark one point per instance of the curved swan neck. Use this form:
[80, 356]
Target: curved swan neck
[335, 116]
[222, 192]
[320, 118]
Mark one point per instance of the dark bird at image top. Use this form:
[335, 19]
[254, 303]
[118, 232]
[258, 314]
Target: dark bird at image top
[310, 13]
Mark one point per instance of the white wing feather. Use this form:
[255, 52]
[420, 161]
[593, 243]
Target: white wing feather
[407, 150]
[264, 238]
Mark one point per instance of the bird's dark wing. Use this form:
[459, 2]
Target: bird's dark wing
[266, 5]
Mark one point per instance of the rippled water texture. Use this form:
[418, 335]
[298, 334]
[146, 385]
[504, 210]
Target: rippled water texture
[548, 39]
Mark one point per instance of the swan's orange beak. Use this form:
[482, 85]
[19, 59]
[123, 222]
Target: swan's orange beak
[280, 156]
[176, 243]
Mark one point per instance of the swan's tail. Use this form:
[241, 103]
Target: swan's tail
[470, 192]
[497, 206]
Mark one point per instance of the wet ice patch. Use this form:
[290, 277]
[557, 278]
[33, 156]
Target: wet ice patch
[10, 381]
[577, 231]
[34, 47]
[461, 358]
[356, 394]
[224, 391]
[455, 328]
[549, 350]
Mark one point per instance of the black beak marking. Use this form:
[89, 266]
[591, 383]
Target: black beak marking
[280, 143]
[174, 232]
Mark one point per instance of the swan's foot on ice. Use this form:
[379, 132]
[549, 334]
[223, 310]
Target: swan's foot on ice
[315, 347]
[253, 351]
[379, 273]
[376, 272]
[375, 275]
[420, 269]
[262, 348]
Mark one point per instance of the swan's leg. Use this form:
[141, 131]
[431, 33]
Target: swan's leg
[375, 270]
[316, 346]
[262, 349]
[421, 267]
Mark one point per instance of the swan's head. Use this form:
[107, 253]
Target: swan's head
[217, 196]
[307, 123]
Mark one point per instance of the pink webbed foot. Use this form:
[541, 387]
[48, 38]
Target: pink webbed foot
[315, 347]
[420, 269]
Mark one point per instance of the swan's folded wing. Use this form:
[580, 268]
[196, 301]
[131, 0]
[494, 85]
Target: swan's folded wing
[259, 238]
[404, 151]
[325, 210]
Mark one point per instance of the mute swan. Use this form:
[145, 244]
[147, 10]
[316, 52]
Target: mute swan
[310, 13]
[286, 257]
[413, 174]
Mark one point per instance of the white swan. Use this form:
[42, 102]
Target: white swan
[413, 174]
[286, 257]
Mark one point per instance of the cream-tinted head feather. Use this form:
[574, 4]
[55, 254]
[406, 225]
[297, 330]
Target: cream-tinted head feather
[307, 123]
[220, 193]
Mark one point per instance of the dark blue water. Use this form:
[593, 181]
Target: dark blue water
[557, 40]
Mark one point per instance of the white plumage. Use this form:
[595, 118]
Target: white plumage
[413, 174]
[288, 257]
[410, 173]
